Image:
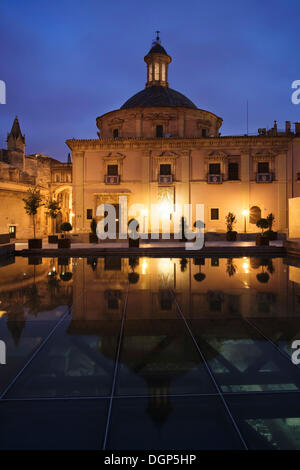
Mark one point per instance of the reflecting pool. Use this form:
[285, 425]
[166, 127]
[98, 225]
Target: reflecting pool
[149, 353]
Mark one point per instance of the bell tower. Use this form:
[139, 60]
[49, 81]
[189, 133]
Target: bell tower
[16, 145]
[157, 61]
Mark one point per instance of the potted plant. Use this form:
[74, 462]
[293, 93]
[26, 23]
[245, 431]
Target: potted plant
[263, 277]
[33, 201]
[199, 277]
[93, 235]
[230, 222]
[231, 267]
[133, 226]
[65, 242]
[53, 208]
[261, 240]
[183, 264]
[133, 277]
[270, 233]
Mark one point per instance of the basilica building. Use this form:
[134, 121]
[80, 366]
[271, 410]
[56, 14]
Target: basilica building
[18, 173]
[159, 147]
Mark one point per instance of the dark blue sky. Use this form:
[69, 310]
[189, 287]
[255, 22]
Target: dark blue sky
[66, 62]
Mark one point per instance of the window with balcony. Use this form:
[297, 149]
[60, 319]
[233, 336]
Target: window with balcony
[263, 167]
[165, 169]
[204, 133]
[233, 171]
[112, 170]
[115, 133]
[159, 131]
[214, 168]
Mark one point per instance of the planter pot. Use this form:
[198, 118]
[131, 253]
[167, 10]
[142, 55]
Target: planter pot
[35, 243]
[52, 239]
[134, 243]
[262, 241]
[133, 278]
[64, 243]
[34, 260]
[4, 238]
[93, 238]
[271, 235]
[231, 236]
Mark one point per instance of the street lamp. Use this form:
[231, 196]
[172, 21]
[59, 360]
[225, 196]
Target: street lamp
[245, 214]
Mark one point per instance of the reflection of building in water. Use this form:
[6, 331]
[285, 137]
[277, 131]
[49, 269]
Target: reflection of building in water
[32, 288]
[203, 287]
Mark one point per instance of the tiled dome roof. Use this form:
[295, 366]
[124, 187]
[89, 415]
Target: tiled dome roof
[158, 96]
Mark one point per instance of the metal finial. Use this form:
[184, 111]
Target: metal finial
[157, 35]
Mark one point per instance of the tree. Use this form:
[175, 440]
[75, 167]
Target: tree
[262, 224]
[230, 221]
[66, 227]
[33, 201]
[270, 219]
[94, 226]
[53, 207]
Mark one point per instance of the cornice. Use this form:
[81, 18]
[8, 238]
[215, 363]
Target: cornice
[246, 143]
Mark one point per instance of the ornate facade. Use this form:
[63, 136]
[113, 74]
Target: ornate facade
[160, 148]
[18, 172]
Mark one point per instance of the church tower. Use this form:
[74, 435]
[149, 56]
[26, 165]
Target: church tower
[16, 145]
[157, 61]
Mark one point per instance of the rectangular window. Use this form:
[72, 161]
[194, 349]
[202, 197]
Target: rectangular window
[112, 170]
[89, 214]
[214, 214]
[156, 71]
[116, 133]
[204, 134]
[159, 131]
[214, 168]
[233, 171]
[165, 169]
[150, 73]
[263, 167]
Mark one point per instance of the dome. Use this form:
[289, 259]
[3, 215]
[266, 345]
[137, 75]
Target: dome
[158, 96]
[157, 49]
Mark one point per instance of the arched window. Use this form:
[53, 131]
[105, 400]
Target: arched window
[254, 214]
[163, 72]
[150, 73]
[156, 71]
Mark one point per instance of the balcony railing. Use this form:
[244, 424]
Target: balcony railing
[165, 179]
[214, 179]
[112, 179]
[264, 177]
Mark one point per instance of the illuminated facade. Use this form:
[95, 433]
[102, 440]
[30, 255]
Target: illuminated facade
[18, 173]
[160, 148]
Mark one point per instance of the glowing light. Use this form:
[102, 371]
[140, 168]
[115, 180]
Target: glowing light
[144, 267]
[2, 312]
[245, 212]
[165, 210]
